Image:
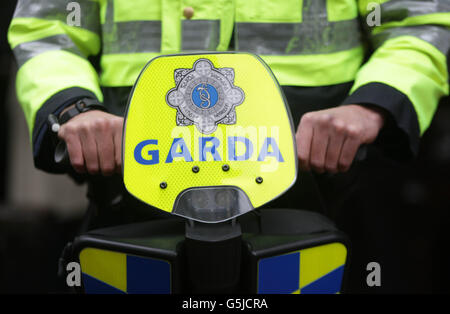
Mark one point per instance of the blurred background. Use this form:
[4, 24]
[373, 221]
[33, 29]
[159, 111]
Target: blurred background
[39, 212]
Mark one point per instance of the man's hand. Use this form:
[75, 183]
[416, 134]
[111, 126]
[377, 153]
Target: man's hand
[94, 142]
[327, 140]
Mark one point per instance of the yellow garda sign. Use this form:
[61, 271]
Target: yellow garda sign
[207, 120]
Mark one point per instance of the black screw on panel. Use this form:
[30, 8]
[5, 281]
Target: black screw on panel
[163, 185]
[225, 167]
[259, 180]
[195, 169]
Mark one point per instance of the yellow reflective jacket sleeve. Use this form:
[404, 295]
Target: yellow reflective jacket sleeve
[52, 40]
[407, 70]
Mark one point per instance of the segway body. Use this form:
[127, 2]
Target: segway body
[209, 139]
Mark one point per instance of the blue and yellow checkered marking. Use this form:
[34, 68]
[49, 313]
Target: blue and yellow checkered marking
[111, 272]
[279, 274]
[314, 270]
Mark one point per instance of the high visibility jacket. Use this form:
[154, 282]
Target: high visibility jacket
[398, 64]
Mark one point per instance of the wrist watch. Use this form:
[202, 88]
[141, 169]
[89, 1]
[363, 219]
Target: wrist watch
[82, 105]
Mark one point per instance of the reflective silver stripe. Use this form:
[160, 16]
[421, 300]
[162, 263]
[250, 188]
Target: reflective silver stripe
[129, 37]
[297, 38]
[200, 35]
[397, 10]
[26, 51]
[108, 27]
[57, 10]
[145, 36]
[315, 35]
[435, 35]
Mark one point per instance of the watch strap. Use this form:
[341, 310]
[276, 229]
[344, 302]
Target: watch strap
[82, 105]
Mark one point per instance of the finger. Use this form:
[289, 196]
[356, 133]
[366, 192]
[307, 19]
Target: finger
[303, 138]
[90, 153]
[105, 150]
[348, 153]
[319, 146]
[118, 150]
[336, 141]
[75, 151]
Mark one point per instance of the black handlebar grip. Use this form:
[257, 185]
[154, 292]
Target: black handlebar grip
[62, 155]
[361, 153]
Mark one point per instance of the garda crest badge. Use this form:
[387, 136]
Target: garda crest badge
[205, 96]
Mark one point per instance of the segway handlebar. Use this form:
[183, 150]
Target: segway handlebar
[61, 155]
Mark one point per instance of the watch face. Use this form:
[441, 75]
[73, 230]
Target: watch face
[87, 104]
[81, 106]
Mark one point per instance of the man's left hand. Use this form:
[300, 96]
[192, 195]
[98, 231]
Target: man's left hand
[327, 140]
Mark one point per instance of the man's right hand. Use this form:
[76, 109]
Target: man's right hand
[94, 142]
